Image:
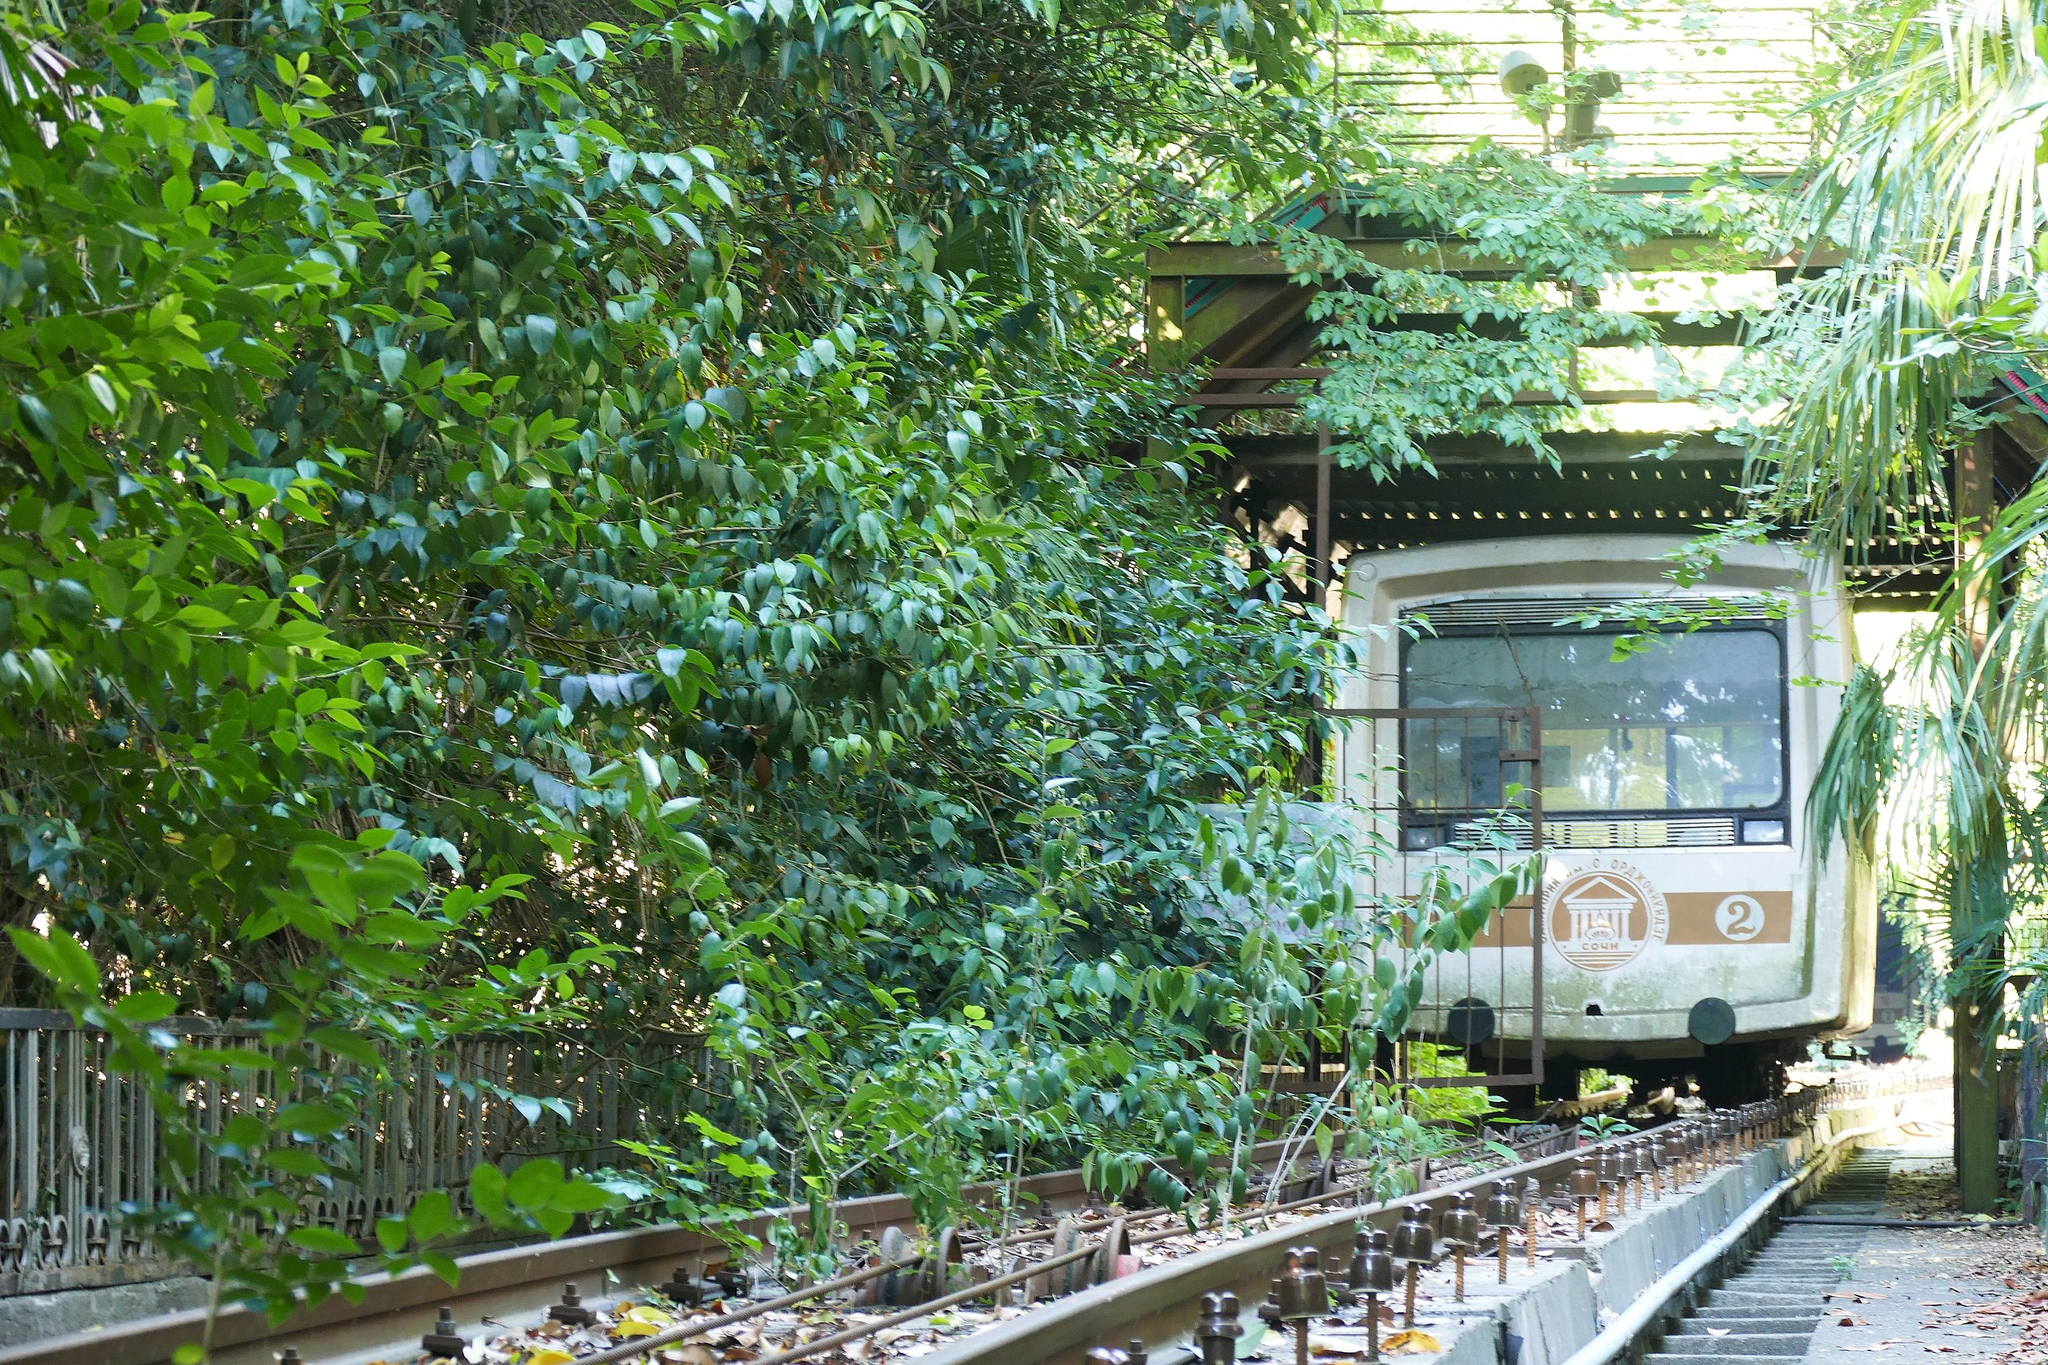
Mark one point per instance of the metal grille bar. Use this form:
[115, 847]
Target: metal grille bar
[1456, 793]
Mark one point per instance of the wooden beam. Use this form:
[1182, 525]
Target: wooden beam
[1527, 398]
[1455, 256]
[1367, 534]
[1323, 575]
[1724, 331]
[1575, 448]
[1165, 322]
[1240, 325]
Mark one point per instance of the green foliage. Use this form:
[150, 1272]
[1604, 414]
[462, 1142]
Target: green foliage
[1595, 1080]
[1447, 1102]
[1928, 188]
[1602, 1127]
[646, 524]
[240, 1189]
[674, 1182]
[1931, 193]
[1561, 239]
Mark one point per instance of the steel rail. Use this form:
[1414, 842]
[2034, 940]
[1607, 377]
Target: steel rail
[504, 1283]
[1537, 1168]
[699, 1326]
[1156, 1303]
[1469, 1149]
[635, 1350]
[704, 1326]
[499, 1282]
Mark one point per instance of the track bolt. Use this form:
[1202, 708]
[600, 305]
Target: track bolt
[571, 1310]
[1373, 1275]
[444, 1340]
[1532, 1208]
[1217, 1330]
[1612, 1180]
[1300, 1295]
[1414, 1246]
[1646, 1170]
[1585, 1185]
[1461, 1233]
[1503, 1212]
[684, 1289]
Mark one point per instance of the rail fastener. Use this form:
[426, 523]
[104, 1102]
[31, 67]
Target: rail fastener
[1461, 1235]
[1415, 1247]
[1503, 1212]
[445, 1339]
[1301, 1295]
[1218, 1329]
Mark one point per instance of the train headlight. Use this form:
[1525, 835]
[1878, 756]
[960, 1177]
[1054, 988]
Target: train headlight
[1763, 831]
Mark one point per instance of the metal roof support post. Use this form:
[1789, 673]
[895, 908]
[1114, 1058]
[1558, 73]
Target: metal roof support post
[1324, 571]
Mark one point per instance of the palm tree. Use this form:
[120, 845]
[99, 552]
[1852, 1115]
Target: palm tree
[1930, 190]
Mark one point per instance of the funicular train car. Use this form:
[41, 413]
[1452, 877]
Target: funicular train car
[1683, 923]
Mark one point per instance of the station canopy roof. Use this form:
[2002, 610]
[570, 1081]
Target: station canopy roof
[1632, 458]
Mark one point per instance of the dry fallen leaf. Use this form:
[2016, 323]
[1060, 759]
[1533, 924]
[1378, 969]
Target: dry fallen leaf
[1850, 1320]
[550, 1356]
[1414, 1341]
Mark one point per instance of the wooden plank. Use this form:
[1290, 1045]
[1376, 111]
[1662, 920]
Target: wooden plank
[1241, 325]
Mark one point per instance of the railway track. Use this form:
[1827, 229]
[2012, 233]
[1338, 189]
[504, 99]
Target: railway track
[1044, 1294]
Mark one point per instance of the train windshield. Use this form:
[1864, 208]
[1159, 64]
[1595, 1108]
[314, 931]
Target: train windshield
[1692, 723]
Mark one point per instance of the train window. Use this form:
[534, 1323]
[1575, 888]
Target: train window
[1693, 723]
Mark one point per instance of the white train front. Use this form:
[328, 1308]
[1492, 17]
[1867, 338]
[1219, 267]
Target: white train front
[1688, 926]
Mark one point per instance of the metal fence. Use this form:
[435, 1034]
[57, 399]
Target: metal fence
[81, 1139]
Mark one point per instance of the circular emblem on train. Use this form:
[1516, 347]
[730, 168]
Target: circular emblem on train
[1603, 916]
[1739, 918]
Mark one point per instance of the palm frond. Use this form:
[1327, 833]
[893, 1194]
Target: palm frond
[1931, 189]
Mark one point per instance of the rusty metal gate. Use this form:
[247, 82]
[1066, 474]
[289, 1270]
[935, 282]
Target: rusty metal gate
[1454, 795]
